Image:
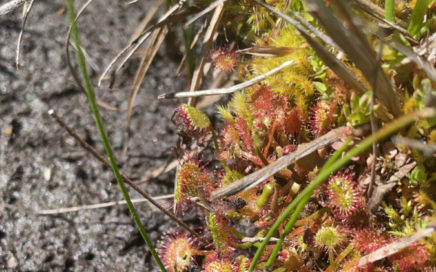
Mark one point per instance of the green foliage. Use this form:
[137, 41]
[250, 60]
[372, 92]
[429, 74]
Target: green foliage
[357, 113]
[418, 176]
[266, 193]
[328, 237]
[390, 10]
[417, 19]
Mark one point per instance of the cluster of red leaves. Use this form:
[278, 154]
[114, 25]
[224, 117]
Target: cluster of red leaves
[224, 59]
[192, 181]
[322, 117]
[183, 119]
[177, 250]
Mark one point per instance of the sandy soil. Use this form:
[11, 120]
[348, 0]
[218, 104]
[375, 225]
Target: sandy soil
[41, 167]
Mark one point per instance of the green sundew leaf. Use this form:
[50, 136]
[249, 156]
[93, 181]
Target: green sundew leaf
[354, 101]
[317, 65]
[238, 104]
[392, 214]
[198, 118]
[264, 197]
[296, 5]
[347, 110]
[257, 141]
[416, 21]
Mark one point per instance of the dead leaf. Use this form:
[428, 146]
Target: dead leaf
[381, 190]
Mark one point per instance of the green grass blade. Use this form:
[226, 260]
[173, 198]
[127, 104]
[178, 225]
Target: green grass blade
[390, 10]
[336, 155]
[289, 226]
[188, 38]
[324, 174]
[416, 21]
[107, 147]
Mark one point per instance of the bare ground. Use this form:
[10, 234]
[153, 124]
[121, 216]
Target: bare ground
[41, 167]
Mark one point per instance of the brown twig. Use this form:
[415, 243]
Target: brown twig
[373, 124]
[130, 49]
[98, 156]
[204, 11]
[154, 173]
[257, 177]
[227, 90]
[97, 206]
[426, 148]
[208, 41]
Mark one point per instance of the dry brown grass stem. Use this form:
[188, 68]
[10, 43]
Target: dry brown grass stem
[228, 90]
[27, 9]
[11, 6]
[98, 205]
[207, 42]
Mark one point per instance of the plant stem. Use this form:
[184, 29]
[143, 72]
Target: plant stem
[107, 147]
[333, 167]
[390, 10]
[418, 13]
[188, 37]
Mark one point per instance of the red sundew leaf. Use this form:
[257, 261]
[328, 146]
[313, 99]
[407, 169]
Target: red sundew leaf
[224, 59]
[244, 133]
[177, 250]
[368, 240]
[263, 98]
[293, 121]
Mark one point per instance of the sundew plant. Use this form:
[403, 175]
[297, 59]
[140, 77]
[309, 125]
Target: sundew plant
[321, 154]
